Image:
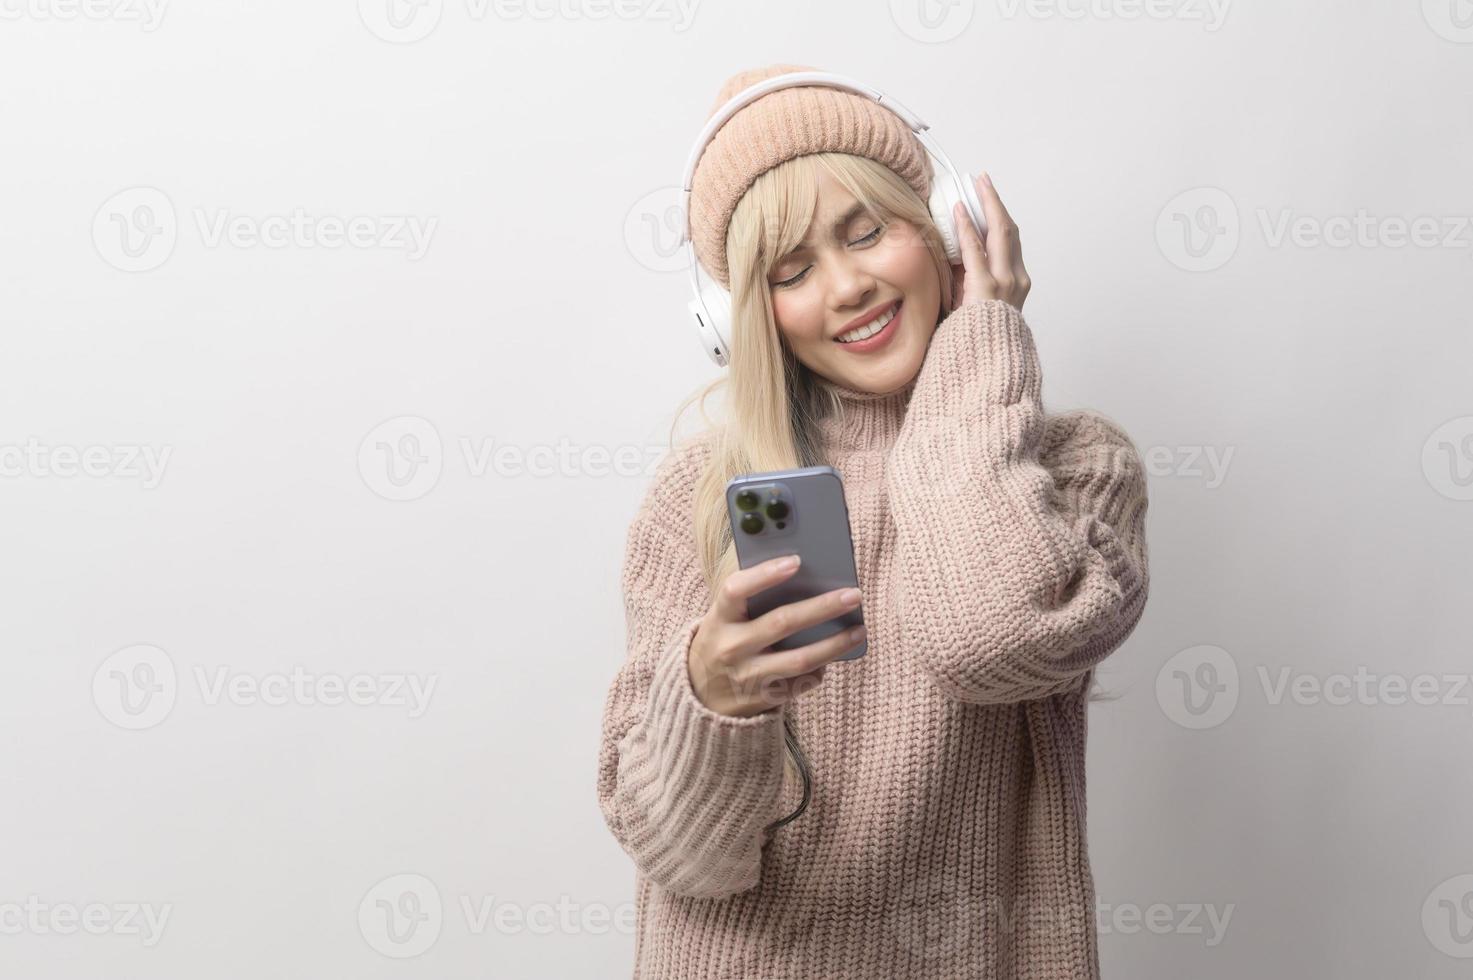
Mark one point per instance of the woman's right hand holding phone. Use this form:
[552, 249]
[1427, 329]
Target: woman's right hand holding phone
[733, 671]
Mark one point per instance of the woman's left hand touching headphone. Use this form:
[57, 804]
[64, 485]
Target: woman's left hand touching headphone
[994, 269]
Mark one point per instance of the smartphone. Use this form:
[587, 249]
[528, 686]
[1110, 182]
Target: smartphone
[802, 512]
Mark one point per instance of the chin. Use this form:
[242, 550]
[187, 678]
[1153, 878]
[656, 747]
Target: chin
[887, 378]
[902, 368]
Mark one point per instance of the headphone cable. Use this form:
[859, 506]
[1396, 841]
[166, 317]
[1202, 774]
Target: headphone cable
[795, 749]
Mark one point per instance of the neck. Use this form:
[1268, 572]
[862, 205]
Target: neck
[867, 420]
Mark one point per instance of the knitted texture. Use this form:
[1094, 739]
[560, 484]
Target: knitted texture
[1002, 555]
[777, 127]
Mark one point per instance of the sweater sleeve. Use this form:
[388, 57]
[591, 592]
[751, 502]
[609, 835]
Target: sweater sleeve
[1020, 546]
[686, 791]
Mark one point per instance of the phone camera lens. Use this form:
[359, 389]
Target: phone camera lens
[777, 509]
[752, 523]
[747, 500]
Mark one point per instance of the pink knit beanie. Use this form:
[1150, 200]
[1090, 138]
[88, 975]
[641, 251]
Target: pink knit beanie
[777, 127]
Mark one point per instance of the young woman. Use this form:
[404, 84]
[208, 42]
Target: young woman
[1001, 556]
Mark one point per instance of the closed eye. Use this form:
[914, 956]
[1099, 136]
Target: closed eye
[794, 280]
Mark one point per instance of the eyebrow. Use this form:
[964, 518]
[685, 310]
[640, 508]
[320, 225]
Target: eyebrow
[843, 222]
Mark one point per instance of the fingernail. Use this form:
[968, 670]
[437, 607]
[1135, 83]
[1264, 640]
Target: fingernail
[789, 562]
[987, 179]
[849, 596]
[856, 634]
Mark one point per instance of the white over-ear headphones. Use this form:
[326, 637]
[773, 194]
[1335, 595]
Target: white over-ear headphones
[711, 306]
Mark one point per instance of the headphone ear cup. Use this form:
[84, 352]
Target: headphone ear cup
[944, 195]
[712, 310]
[943, 200]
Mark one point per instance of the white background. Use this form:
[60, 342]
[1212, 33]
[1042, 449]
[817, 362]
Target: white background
[1330, 383]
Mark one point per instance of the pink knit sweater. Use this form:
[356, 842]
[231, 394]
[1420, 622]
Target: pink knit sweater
[1002, 555]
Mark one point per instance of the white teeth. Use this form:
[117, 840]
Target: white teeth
[868, 330]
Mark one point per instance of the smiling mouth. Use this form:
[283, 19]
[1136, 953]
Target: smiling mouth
[872, 328]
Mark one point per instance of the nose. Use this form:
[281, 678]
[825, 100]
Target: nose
[850, 285]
